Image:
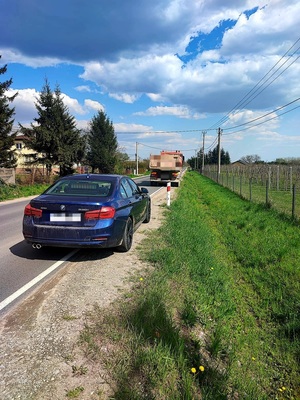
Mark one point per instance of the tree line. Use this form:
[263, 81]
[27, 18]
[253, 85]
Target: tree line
[210, 158]
[54, 137]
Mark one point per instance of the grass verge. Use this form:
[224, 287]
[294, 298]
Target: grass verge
[218, 315]
[10, 192]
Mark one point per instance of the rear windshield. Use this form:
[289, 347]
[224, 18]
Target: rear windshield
[81, 188]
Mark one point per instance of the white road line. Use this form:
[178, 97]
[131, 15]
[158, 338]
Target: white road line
[34, 281]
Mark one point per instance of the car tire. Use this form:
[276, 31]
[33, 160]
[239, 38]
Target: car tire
[148, 214]
[127, 237]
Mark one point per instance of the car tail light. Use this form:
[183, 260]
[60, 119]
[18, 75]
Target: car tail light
[33, 212]
[153, 174]
[102, 213]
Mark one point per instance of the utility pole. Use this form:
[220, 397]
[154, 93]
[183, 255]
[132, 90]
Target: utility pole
[219, 153]
[137, 158]
[203, 135]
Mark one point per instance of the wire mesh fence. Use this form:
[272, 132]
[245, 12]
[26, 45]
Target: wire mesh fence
[276, 186]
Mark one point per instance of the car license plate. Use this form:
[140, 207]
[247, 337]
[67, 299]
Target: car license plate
[65, 217]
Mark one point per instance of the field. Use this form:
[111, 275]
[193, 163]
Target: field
[276, 186]
[217, 317]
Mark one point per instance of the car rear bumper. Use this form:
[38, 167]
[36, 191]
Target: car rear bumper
[71, 244]
[73, 237]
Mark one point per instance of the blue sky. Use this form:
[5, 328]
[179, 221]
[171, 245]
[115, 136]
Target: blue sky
[163, 71]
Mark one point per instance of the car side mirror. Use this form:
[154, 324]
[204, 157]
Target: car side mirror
[144, 190]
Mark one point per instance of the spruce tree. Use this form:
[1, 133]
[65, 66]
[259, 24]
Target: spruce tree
[102, 143]
[54, 137]
[7, 138]
[71, 145]
[212, 156]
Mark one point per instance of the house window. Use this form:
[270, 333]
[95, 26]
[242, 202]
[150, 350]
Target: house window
[19, 146]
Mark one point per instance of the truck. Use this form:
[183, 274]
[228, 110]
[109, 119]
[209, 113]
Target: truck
[166, 167]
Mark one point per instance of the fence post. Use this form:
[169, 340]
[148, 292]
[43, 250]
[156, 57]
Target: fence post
[168, 194]
[294, 201]
[241, 182]
[267, 192]
[250, 189]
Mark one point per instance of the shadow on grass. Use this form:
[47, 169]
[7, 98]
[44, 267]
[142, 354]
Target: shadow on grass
[173, 354]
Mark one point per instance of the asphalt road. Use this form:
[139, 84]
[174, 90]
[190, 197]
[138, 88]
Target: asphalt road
[20, 264]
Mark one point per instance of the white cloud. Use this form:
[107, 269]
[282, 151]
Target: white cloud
[24, 104]
[83, 88]
[134, 76]
[25, 109]
[93, 105]
[176, 111]
[131, 128]
[124, 97]
[15, 56]
[83, 124]
[73, 105]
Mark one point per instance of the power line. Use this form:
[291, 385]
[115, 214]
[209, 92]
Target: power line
[212, 144]
[170, 131]
[159, 148]
[263, 116]
[261, 123]
[247, 98]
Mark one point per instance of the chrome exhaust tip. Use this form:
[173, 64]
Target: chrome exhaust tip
[37, 246]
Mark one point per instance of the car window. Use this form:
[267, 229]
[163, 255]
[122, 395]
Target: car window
[81, 188]
[126, 189]
[134, 186]
[123, 191]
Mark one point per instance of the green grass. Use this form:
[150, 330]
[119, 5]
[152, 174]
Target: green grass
[74, 393]
[10, 192]
[281, 200]
[223, 295]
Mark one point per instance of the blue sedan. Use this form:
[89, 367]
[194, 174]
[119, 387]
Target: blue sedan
[87, 211]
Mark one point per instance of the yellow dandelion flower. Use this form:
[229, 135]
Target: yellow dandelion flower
[283, 388]
[280, 390]
[201, 368]
[253, 358]
[141, 279]
[193, 370]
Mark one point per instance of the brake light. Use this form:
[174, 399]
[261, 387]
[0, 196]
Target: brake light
[102, 213]
[32, 212]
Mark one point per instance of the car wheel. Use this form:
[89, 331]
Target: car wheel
[127, 237]
[148, 214]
